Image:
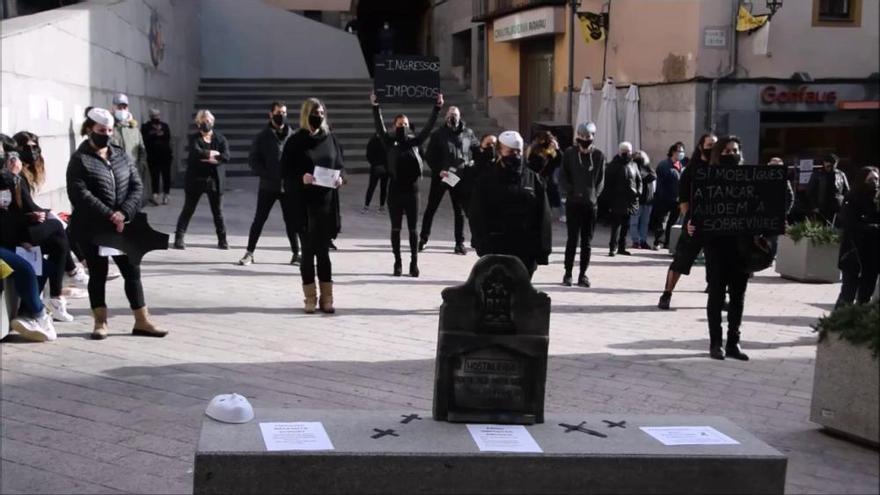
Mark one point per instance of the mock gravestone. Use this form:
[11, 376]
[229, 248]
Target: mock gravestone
[491, 364]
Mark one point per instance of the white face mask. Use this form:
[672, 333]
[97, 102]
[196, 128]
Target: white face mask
[122, 116]
[5, 199]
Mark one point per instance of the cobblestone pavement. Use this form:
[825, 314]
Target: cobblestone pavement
[123, 415]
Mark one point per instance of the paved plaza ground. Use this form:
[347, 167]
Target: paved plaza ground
[123, 415]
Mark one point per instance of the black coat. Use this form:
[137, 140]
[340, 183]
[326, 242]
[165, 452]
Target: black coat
[157, 141]
[313, 205]
[377, 157]
[649, 185]
[450, 149]
[201, 175]
[265, 156]
[509, 214]
[623, 185]
[97, 190]
[860, 244]
[826, 192]
[582, 177]
[404, 158]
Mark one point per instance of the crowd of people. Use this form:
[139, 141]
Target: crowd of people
[508, 192]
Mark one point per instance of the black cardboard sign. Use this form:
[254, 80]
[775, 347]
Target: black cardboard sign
[406, 79]
[745, 199]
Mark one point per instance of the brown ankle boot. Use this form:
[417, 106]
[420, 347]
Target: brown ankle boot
[327, 297]
[311, 300]
[144, 327]
[100, 331]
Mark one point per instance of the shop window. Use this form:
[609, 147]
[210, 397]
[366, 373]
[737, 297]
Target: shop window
[841, 13]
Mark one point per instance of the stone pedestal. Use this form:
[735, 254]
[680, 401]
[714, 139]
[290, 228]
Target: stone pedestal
[384, 452]
[806, 262]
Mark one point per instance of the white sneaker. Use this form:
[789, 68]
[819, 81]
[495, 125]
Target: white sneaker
[39, 329]
[78, 278]
[365, 209]
[164, 199]
[58, 307]
[113, 272]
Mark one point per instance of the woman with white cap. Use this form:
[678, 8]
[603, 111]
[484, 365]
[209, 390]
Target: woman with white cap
[105, 192]
[509, 213]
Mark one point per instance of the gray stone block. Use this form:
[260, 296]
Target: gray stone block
[431, 457]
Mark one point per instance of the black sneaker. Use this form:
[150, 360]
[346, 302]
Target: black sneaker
[294, 260]
[333, 246]
[611, 253]
[735, 352]
[398, 268]
[583, 281]
[422, 244]
[566, 280]
[665, 299]
[460, 249]
[624, 252]
[414, 269]
[715, 352]
[178, 242]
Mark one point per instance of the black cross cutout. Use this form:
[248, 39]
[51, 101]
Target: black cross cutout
[612, 424]
[382, 433]
[570, 428]
[407, 419]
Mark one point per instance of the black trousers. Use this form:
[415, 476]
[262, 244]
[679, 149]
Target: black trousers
[265, 201]
[438, 189]
[316, 247]
[193, 195]
[160, 168]
[51, 237]
[619, 229]
[400, 204]
[580, 220]
[724, 274]
[98, 265]
[382, 181]
[857, 286]
[665, 215]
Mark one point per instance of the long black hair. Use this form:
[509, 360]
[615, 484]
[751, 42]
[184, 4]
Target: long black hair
[697, 156]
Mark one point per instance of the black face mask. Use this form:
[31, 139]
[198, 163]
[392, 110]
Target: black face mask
[625, 156]
[206, 127]
[511, 161]
[315, 121]
[453, 122]
[729, 160]
[706, 153]
[584, 143]
[154, 120]
[100, 141]
[489, 150]
[279, 119]
[639, 162]
[400, 132]
[29, 155]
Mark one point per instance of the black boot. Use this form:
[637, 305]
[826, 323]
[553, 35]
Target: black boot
[178, 241]
[398, 265]
[566, 279]
[221, 241]
[715, 351]
[583, 281]
[665, 299]
[732, 347]
[414, 268]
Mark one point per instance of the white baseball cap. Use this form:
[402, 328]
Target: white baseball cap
[511, 139]
[230, 408]
[120, 99]
[101, 116]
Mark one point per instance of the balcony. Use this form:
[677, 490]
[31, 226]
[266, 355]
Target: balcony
[486, 10]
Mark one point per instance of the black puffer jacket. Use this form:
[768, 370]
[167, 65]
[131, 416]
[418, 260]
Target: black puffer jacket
[97, 188]
[450, 148]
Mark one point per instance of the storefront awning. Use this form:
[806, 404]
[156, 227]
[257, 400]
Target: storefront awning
[859, 105]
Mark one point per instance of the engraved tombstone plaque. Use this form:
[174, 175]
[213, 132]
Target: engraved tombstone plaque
[492, 344]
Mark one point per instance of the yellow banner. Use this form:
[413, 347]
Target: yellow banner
[591, 26]
[746, 22]
[5, 270]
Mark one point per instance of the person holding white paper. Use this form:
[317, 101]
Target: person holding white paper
[314, 151]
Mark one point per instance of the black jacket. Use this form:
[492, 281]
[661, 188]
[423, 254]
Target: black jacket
[404, 159]
[157, 141]
[265, 156]
[377, 157]
[302, 153]
[200, 174]
[649, 185]
[860, 243]
[668, 180]
[826, 192]
[623, 185]
[450, 149]
[544, 165]
[96, 190]
[509, 214]
[582, 176]
[15, 226]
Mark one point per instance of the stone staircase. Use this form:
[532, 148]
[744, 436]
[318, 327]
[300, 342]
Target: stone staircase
[241, 107]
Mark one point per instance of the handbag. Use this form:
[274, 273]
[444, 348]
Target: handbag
[758, 252]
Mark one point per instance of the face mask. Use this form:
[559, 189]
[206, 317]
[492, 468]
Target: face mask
[100, 141]
[584, 143]
[680, 155]
[453, 122]
[706, 152]
[400, 132]
[154, 120]
[315, 121]
[625, 155]
[122, 115]
[872, 187]
[279, 119]
[729, 160]
[206, 127]
[30, 155]
[489, 150]
[639, 162]
[511, 161]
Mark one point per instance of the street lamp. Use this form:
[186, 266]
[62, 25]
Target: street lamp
[773, 6]
[574, 4]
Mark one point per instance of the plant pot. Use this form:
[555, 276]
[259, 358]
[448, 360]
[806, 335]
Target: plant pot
[807, 262]
[846, 390]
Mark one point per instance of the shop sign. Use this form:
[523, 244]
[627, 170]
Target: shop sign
[781, 96]
[535, 22]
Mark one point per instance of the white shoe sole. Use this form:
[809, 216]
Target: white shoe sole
[32, 335]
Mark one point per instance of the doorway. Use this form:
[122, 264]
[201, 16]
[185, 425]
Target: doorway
[536, 82]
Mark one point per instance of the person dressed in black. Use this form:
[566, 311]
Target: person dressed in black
[205, 174]
[105, 191]
[377, 157]
[265, 160]
[726, 269]
[827, 189]
[666, 210]
[311, 158]
[581, 180]
[544, 157]
[623, 184]
[449, 152]
[157, 141]
[509, 213]
[405, 168]
[483, 156]
[689, 246]
[860, 246]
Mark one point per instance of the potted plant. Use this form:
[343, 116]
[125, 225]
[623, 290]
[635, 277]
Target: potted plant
[846, 383]
[808, 252]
